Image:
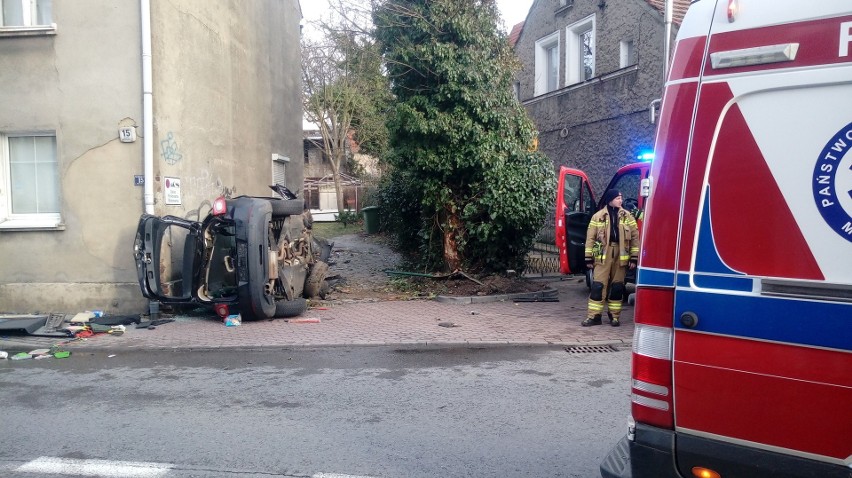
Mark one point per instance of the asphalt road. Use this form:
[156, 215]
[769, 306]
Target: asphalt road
[330, 412]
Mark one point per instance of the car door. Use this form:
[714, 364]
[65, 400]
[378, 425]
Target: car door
[166, 251]
[575, 204]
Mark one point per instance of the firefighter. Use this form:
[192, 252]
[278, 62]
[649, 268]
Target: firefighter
[612, 245]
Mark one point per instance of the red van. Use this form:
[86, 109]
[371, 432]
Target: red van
[742, 347]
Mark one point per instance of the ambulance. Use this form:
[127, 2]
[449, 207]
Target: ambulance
[742, 350]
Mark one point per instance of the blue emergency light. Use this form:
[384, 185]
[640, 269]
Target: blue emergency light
[646, 156]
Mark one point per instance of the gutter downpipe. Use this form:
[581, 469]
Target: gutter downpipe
[667, 44]
[148, 125]
[147, 107]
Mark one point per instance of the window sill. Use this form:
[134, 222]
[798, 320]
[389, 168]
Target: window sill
[32, 31]
[30, 224]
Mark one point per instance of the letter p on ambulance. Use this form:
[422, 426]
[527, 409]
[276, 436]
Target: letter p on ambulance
[845, 38]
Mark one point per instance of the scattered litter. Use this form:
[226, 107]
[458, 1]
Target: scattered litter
[40, 357]
[21, 356]
[4, 355]
[233, 320]
[448, 324]
[39, 352]
[304, 321]
[62, 354]
[82, 318]
[473, 312]
[117, 330]
[111, 356]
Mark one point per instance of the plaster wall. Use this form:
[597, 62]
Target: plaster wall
[603, 123]
[227, 95]
[82, 83]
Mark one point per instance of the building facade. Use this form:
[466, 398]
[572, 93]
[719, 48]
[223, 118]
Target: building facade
[590, 72]
[113, 108]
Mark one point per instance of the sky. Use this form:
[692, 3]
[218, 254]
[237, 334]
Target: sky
[512, 11]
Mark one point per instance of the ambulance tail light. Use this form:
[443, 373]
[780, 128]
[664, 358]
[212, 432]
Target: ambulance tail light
[651, 393]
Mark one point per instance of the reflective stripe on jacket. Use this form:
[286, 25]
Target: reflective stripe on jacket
[628, 236]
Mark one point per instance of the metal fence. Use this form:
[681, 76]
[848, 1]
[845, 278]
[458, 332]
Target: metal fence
[543, 259]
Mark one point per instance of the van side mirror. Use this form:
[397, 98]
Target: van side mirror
[645, 187]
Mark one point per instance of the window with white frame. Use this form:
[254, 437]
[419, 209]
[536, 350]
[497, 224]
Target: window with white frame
[26, 13]
[628, 54]
[279, 169]
[29, 186]
[580, 51]
[547, 64]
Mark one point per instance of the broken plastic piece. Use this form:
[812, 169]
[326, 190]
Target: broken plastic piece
[62, 354]
[21, 356]
[3, 355]
[232, 320]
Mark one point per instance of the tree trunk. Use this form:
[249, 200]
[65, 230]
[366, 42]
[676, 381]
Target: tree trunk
[452, 228]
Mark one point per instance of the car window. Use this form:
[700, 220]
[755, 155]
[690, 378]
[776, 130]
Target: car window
[571, 194]
[175, 262]
[588, 200]
[628, 184]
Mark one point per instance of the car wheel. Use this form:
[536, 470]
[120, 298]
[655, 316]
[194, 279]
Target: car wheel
[313, 285]
[282, 207]
[291, 308]
[256, 301]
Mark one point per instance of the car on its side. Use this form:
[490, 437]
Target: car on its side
[255, 256]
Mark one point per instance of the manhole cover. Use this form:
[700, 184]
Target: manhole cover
[590, 349]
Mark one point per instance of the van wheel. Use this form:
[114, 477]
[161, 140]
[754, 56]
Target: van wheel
[291, 308]
[282, 207]
[313, 286]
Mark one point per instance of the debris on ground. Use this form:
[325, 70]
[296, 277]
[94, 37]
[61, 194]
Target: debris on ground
[448, 324]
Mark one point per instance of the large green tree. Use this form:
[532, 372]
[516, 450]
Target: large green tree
[459, 140]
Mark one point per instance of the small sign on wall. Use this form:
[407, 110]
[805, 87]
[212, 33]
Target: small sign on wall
[172, 191]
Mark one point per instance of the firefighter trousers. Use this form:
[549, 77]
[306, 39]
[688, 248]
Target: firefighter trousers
[607, 284]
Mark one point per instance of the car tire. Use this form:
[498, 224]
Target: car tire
[255, 302]
[291, 308]
[282, 207]
[313, 285]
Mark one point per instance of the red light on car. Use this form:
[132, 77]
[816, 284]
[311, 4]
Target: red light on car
[222, 310]
[220, 206]
[733, 10]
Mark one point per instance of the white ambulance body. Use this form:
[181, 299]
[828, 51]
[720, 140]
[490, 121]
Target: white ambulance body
[742, 354]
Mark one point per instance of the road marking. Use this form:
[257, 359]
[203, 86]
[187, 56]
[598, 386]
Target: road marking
[337, 475]
[106, 468]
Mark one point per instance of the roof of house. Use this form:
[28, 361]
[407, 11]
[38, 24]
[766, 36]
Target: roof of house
[679, 8]
[515, 34]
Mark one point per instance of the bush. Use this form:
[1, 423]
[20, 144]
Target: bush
[348, 217]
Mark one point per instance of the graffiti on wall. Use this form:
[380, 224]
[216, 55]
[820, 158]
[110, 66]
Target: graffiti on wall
[170, 151]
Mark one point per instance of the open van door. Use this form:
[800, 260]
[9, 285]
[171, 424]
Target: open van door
[575, 205]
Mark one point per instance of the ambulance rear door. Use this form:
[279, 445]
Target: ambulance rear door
[763, 303]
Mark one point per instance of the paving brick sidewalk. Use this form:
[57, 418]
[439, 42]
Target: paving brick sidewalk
[377, 323]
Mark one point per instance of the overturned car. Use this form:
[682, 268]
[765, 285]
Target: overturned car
[254, 256]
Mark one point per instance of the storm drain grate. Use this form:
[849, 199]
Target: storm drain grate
[590, 349]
